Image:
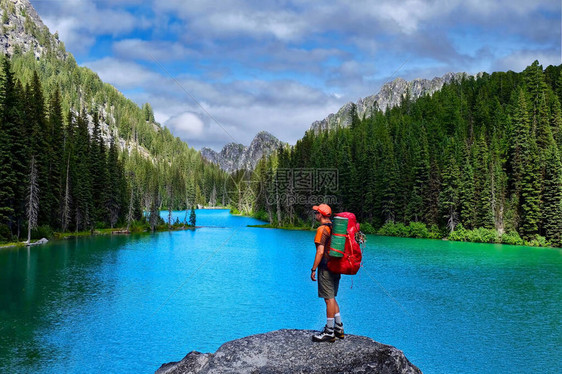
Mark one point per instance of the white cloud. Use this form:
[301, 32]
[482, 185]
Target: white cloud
[124, 75]
[186, 124]
[519, 60]
[80, 22]
[152, 50]
[267, 65]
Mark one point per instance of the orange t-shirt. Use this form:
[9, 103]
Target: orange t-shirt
[323, 236]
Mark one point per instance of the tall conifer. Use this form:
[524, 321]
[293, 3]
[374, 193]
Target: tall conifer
[552, 197]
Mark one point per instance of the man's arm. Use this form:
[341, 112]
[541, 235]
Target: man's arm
[317, 260]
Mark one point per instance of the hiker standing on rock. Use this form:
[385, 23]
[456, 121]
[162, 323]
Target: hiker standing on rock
[328, 282]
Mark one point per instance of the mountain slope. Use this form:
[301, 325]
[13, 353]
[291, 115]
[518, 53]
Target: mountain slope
[162, 170]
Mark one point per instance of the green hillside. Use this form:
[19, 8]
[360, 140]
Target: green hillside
[478, 160]
[100, 158]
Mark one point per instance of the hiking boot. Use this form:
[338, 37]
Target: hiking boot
[338, 330]
[325, 336]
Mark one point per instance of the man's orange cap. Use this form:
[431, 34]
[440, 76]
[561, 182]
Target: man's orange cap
[324, 209]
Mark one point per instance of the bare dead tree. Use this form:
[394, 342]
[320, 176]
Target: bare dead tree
[130, 213]
[66, 205]
[32, 204]
[155, 211]
[213, 199]
[169, 190]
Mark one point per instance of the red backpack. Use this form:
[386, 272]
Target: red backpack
[351, 260]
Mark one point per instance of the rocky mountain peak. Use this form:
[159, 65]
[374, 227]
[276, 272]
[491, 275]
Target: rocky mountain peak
[390, 95]
[233, 156]
[24, 31]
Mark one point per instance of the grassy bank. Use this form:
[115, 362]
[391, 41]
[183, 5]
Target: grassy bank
[420, 230]
[135, 228]
[479, 235]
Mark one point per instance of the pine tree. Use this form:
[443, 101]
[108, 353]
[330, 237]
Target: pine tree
[530, 193]
[556, 122]
[552, 198]
[519, 143]
[418, 205]
[56, 164]
[536, 87]
[83, 179]
[482, 186]
[99, 169]
[466, 192]
[113, 196]
[155, 209]
[449, 196]
[192, 217]
[8, 179]
[13, 151]
[388, 179]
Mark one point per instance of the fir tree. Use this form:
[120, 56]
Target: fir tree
[113, 197]
[83, 179]
[530, 193]
[99, 169]
[552, 208]
[482, 187]
[417, 207]
[192, 217]
[519, 143]
[449, 196]
[466, 192]
[56, 164]
[8, 180]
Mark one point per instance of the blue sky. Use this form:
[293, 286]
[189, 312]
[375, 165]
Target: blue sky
[280, 65]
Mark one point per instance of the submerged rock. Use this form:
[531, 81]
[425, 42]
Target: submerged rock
[292, 351]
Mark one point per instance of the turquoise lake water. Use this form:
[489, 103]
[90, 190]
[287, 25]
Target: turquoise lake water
[127, 304]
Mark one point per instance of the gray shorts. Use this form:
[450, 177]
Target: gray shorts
[328, 283]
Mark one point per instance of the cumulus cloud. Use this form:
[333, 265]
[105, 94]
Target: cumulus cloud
[186, 124]
[221, 72]
[124, 75]
[80, 23]
[138, 49]
[519, 60]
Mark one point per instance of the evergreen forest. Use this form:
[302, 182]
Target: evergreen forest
[480, 155]
[61, 168]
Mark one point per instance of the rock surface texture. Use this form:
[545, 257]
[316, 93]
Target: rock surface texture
[23, 31]
[22, 28]
[292, 351]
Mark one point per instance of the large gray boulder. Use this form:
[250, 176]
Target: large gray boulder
[292, 351]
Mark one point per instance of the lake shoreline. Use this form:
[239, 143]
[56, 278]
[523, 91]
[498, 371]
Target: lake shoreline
[463, 239]
[102, 232]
